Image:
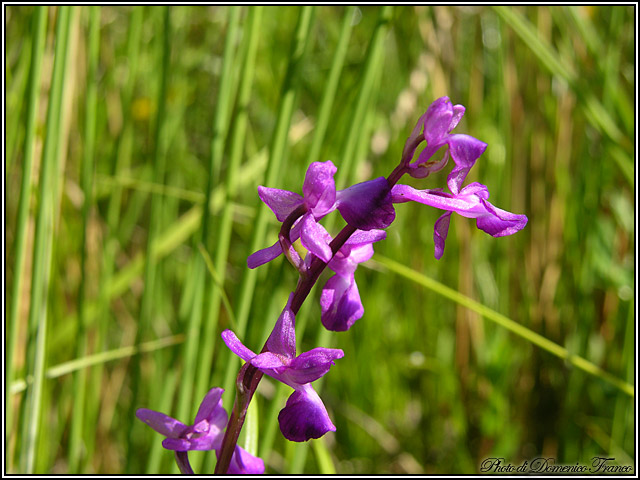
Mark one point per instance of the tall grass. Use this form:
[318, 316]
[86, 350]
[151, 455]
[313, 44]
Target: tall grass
[136, 140]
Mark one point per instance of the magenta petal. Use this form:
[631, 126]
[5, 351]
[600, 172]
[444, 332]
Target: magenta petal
[499, 223]
[236, 346]
[211, 409]
[314, 238]
[265, 255]
[305, 416]
[243, 463]
[465, 205]
[340, 304]
[282, 340]
[367, 205]
[464, 150]
[281, 202]
[438, 119]
[319, 188]
[161, 423]
[177, 444]
[310, 366]
[269, 361]
[440, 230]
[346, 261]
[458, 112]
[207, 440]
[361, 237]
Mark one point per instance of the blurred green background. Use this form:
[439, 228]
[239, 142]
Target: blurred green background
[125, 123]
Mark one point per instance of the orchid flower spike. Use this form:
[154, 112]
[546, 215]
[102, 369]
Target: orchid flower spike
[304, 416]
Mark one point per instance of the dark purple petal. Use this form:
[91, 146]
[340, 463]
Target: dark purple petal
[304, 417]
[236, 346]
[177, 444]
[274, 251]
[204, 441]
[314, 238]
[438, 119]
[425, 166]
[416, 133]
[281, 202]
[161, 423]
[319, 188]
[243, 463]
[265, 255]
[340, 304]
[440, 230]
[310, 366]
[458, 112]
[464, 150]
[282, 340]
[211, 409]
[367, 205]
[500, 223]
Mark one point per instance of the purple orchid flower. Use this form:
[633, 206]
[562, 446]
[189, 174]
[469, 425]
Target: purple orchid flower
[206, 433]
[304, 416]
[340, 299]
[439, 120]
[319, 199]
[367, 205]
[470, 202]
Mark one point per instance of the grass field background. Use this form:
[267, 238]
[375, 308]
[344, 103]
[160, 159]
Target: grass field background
[135, 140]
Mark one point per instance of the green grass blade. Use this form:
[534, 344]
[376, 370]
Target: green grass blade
[20, 243]
[37, 327]
[276, 153]
[76, 447]
[159, 166]
[206, 340]
[328, 96]
[507, 323]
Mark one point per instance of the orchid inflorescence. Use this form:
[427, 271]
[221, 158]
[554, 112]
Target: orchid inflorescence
[368, 209]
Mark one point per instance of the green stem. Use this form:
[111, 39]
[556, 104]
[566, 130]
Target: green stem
[77, 418]
[40, 23]
[42, 247]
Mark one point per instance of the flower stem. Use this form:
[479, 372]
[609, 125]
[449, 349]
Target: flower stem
[285, 238]
[182, 459]
[249, 376]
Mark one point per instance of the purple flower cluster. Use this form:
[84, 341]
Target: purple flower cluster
[368, 209]
[304, 417]
[205, 434]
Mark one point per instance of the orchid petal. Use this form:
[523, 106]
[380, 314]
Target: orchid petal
[211, 409]
[270, 361]
[464, 150]
[340, 304]
[314, 238]
[500, 223]
[440, 231]
[236, 346]
[438, 119]
[319, 188]
[243, 463]
[281, 202]
[304, 416]
[367, 205]
[161, 423]
[282, 340]
[310, 366]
